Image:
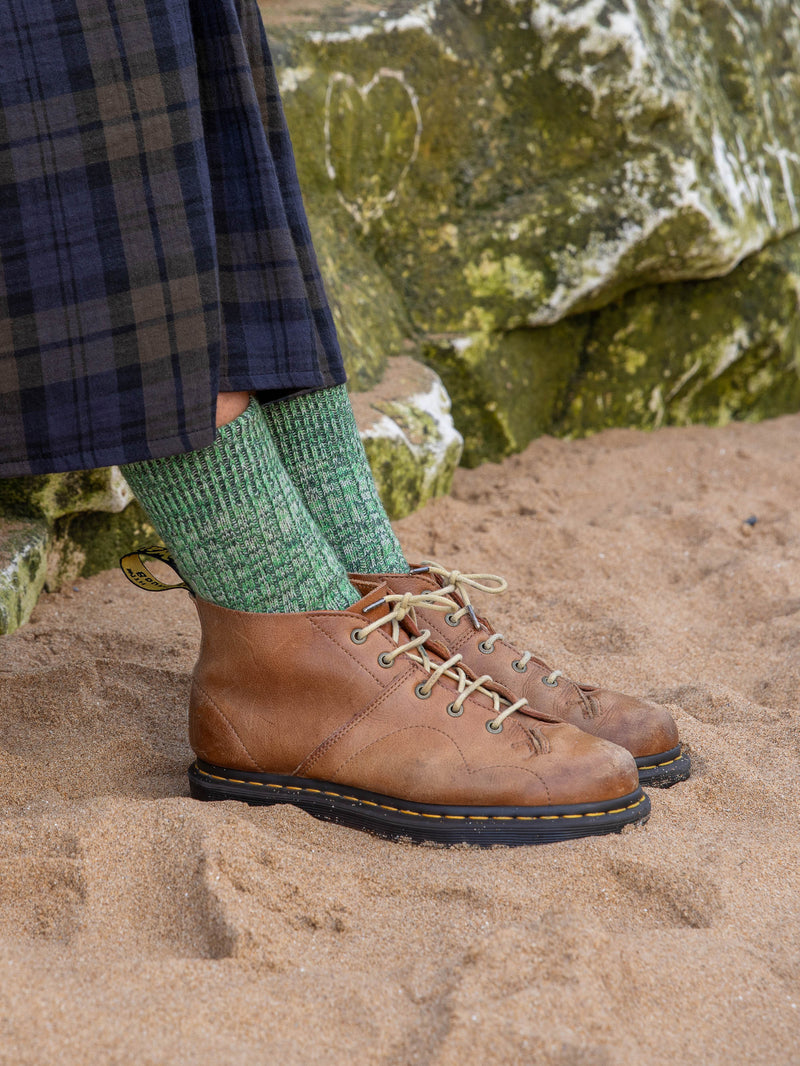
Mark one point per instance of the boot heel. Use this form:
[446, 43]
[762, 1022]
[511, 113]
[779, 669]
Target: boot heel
[200, 792]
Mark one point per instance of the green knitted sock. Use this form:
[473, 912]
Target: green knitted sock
[240, 534]
[318, 441]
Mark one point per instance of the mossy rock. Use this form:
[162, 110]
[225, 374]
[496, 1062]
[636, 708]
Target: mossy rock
[371, 322]
[555, 237]
[23, 569]
[409, 436]
[51, 496]
[594, 148]
[506, 388]
[86, 543]
[694, 352]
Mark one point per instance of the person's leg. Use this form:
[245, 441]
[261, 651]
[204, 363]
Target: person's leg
[240, 534]
[319, 444]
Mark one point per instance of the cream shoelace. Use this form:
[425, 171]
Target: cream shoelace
[402, 605]
[494, 585]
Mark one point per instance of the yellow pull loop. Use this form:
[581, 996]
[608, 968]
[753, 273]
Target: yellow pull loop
[134, 568]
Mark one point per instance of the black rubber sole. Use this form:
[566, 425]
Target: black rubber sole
[666, 769]
[399, 820]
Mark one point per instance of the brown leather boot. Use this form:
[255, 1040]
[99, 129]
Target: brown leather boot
[358, 718]
[647, 730]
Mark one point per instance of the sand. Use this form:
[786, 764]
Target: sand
[139, 926]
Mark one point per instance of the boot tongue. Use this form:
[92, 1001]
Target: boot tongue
[374, 607]
[373, 602]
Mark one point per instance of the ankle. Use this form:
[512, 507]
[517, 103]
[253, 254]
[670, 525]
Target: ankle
[230, 405]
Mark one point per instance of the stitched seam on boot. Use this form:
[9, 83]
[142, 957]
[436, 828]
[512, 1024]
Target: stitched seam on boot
[215, 706]
[435, 729]
[324, 747]
[345, 729]
[590, 707]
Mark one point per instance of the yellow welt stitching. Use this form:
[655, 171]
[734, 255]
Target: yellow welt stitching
[423, 814]
[655, 765]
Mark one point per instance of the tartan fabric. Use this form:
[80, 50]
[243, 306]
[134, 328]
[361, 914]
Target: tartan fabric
[153, 243]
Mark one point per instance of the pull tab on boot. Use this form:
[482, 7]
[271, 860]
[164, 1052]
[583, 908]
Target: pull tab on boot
[135, 569]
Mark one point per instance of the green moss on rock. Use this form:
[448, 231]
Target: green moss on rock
[370, 319]
[707, 351]
[506, 388]
[51, 496]
[86, 543]
[594, 147]
[23, 569]
[409, 436]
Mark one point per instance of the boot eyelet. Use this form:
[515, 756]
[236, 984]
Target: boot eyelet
[494, 728]
[547, 681]
[357, 637]
[487, 649]
[451, 710]
[451, 621]
[385, 661]
[519, 667]
[420, 692]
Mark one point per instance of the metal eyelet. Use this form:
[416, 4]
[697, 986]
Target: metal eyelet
[385, 661]
[419, 691]
[494, 728]
[451, 621]
[451, 710]
[551, 684]
[357, 637]
[487, 649]
[519, 667]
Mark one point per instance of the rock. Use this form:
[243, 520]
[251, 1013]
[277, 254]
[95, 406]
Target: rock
[371, 321]
[409, 436]
[602, 156]
[85, 543]
[506, 388]
[59, 527]
[694, 352]
[709, 351]
[595, 147]
[51, 496]
[23, 570]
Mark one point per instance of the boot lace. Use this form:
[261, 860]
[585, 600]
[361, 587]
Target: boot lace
[402, 605]
[459, 584]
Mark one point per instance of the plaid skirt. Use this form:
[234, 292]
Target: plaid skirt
[154, 249]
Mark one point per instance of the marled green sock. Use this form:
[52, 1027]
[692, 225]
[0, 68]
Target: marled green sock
[318, 441]
[239, 532]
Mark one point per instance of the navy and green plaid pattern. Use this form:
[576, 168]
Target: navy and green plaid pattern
[153, 243]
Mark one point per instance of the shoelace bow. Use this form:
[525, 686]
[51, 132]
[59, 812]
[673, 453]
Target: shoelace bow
[493, 585]
[404, 605]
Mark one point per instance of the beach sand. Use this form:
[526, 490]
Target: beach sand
[140, 926]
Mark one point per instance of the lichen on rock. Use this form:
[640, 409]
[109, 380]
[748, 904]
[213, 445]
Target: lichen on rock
[506, 387]
[409, 436]
[23, 569]
[713, 351]
[51, 496]
[596, 146]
